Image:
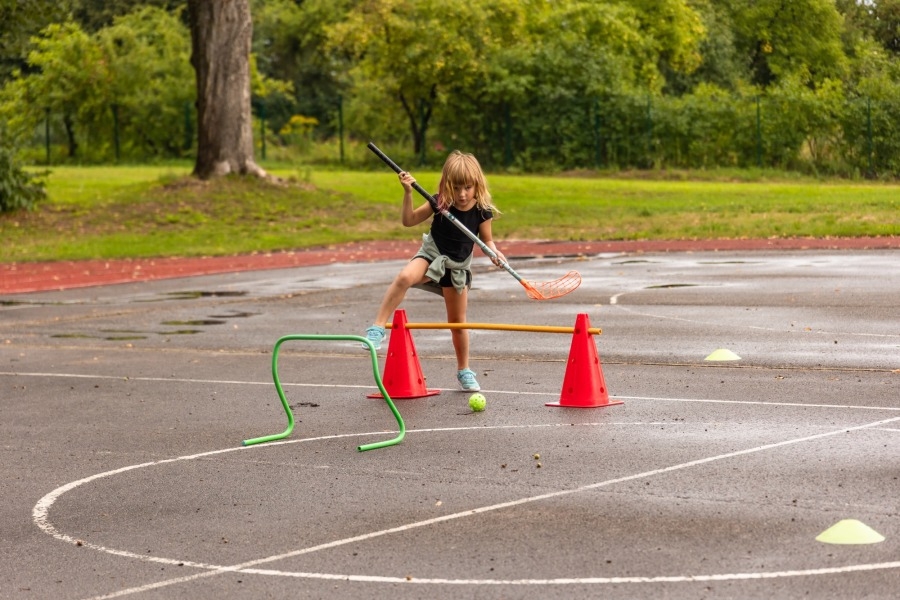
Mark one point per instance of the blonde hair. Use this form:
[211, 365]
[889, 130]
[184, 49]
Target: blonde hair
[463, 169]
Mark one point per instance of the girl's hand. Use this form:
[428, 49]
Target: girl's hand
[499, 258]
[406, 180]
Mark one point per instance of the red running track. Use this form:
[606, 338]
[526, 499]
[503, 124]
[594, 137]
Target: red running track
[23, 277]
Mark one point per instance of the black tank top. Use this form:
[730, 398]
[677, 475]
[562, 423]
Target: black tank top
[449, 239]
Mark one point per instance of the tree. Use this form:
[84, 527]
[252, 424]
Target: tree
[567, 62]
[553, 84]
[221, 34]
[887, 24]
[69, 78]
[878, 19]
[94, 15]
[720, 63]
[289, 41]
[779, 38]
[411, 51]
[129, 81]
[152, 83]
[673, 29]
[18, 22]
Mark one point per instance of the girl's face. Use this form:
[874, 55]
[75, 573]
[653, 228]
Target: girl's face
[464, 195]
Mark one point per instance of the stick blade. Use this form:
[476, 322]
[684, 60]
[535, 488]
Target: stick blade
[557, 288]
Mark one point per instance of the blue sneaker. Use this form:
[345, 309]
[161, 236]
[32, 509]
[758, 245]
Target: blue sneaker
[466, 379]
[374, 334]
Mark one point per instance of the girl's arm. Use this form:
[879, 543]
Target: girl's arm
[410, 216]
[485, 234]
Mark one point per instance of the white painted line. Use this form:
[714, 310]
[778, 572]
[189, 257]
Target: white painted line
[585, 580]
[372, 386]
[151, 379]
[762, 403]
[40, 516]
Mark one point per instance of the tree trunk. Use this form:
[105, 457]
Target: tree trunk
[221, 32]
[70, 135]
[419, 119]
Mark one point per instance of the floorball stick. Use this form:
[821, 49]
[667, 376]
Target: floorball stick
[536, 291]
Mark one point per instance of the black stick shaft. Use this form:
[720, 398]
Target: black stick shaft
[431, 199]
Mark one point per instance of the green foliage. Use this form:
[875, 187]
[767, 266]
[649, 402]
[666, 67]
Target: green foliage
[779, 38]
[127, 91]
[414, 52]
[150, 82]
[94, 15]
[674, 29]
[298, 132]
[603, 60]
[19, 21]
[878, 20]
[528, 85]
[68, 71]
[19, 189]
[465, 66]
[708, 128]
[720, 63]
[136, 72]
[290, 43]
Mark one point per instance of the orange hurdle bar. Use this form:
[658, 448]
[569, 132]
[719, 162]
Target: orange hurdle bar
[497, 326]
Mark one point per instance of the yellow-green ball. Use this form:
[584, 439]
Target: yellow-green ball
[477, 402]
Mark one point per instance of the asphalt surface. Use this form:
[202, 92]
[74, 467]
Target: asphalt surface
[124, 408]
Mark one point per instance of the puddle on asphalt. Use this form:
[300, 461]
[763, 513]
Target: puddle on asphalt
[185, 325]
[666, 286]
[120, 335]
[32, 303]
[110, 338]
[192, 295]
[74, 336]
[123, 335]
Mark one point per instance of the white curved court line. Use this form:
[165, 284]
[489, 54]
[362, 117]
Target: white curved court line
[40, 516]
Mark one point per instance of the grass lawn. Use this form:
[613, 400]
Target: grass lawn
[141, 211]
[583, 208]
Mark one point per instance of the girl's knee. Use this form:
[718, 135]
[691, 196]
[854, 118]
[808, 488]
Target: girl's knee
[411, 274]
[405, 280]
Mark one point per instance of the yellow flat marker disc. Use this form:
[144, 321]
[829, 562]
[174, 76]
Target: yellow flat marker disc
[722, 354]
[850, 531]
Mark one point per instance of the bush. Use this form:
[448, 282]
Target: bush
[18, 188]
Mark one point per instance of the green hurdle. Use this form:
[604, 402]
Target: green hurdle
[287, 408]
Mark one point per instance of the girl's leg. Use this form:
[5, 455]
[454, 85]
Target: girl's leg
[456, 313]
[412, 274]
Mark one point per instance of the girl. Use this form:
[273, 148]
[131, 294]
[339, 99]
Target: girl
[442, 264]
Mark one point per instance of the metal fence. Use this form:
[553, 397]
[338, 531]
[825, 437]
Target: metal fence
[852, 138]
[856, 138]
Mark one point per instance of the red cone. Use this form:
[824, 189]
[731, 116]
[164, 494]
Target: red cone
[403, 376]
[583, 386]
